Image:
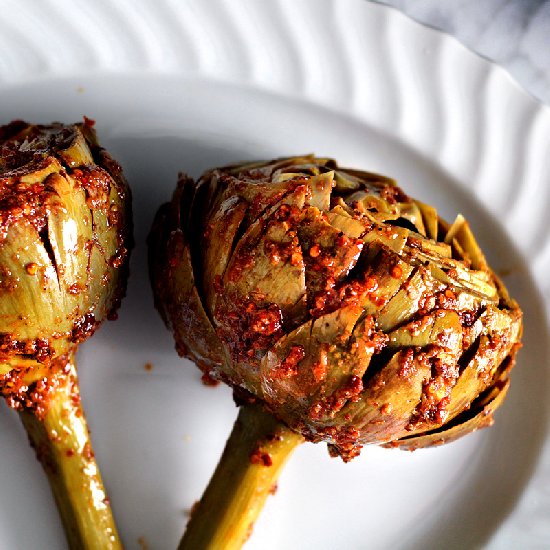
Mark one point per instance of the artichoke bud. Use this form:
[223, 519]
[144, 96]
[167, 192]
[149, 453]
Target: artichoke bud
[64, 239]
[353, 312]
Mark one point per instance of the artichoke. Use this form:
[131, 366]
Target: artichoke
[338, 308]
[64, 239]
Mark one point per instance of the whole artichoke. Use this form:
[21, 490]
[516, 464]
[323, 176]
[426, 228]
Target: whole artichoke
[65, 231]
[351, 312]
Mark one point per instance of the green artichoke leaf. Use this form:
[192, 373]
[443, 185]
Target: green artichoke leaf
[443, 349]
[97, 200]
[345, 182]
[434, 327]
[172, 272]
[278, 171]
[370, 201]
[70, 235]
[327, 254]
[312, 363]
[267, 260]
[237, 169]
[261, 198]
[264, 198]
[479, 417]
[374, 180]
[454, 273]
[432, 249]
[430, 219]
[318, 187]
[489, 351]
[405, 303]
[306, 165]
[77, 153]
[274, 267]
[341, 220]
[283, 163]
[49, 165]
[458, 251]
[394, 238]
[389, 399]
[390, 274]
[411, 212]
[321, 190]
[281, 176]
[461, 231]
[36, 292]
[499, 321]
[218, 247]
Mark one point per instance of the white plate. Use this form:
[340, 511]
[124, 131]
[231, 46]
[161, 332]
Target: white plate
[189, 85]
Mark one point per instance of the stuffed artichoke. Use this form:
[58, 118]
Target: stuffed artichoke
[65, 232]
[337, 307]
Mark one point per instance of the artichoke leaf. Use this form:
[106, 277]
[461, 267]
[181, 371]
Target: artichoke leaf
[492, 349]
[37, 291]
[390, 398]
[389, 272]
[300, 164]
[341, 220]
[330, 351]
[78, 152]
[105, 252]
[481, 419]
[366, 201]
[171, 269]
[268, 259]
[218, 247]
[262, 198]
[433, 250]
[321, 189]
[460, 230]
[69, 235]
[458, 251]
[345, 182]
[280, 176]
[441, 325]
[234, 214]
[339, 202]
[430, 219]
[326, 253]
[374, 180]
[453, 273]
[238, 168]
[405, 303]
[189, 320]
[412, 213]
[392, 237]
[497, 320]
[50, 165]
[275, 270]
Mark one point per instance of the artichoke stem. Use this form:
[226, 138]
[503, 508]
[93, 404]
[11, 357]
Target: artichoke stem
[61, 440]
[253, 458]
